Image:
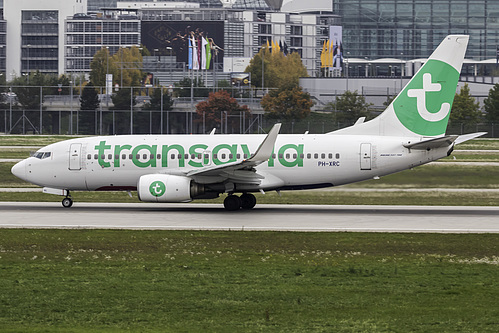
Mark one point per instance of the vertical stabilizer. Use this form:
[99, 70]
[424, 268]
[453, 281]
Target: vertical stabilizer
[423, 107]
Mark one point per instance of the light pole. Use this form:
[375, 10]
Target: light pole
[169, 48]
[401, 70]
[27, 58]
[346, 60]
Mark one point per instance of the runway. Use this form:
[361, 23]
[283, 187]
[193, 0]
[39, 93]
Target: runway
[264, 217]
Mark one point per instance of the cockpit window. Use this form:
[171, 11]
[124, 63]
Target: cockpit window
[42, 155]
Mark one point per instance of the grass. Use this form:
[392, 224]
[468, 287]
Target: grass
[184, 281]
[32, 140]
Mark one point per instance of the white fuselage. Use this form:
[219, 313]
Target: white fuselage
[299, 161]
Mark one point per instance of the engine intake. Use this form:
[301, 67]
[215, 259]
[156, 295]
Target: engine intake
[168, 188]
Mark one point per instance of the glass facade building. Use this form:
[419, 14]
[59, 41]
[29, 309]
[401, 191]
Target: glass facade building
[411, 29]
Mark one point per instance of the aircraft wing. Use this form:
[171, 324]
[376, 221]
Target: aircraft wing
[242, 171]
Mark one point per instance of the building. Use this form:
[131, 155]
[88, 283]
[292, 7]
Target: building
[411, 29]
[35, 34]
[85, 35]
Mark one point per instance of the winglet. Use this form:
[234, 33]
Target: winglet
[264, 151]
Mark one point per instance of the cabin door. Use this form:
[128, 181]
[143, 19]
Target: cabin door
[75, 156]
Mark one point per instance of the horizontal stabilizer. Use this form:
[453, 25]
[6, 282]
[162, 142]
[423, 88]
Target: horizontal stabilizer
[466, 137]
[443, 141]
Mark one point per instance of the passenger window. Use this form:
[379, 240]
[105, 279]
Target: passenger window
[295, 156]
[323, 155]
[230, 156]
[316, 156]
[302, 156]
[287, 156]
[280, 156]
[103, 157]
[179, 156]
[172, 156]
[137, 157]
[186, 156]
[309, 156]
[193, 156]
[116, 156]
[199, 156]
[273, 156]
[89, 156]
[223, 156]
[144, 156]
[158, 156]
[109, 156]
[330, 155]
[238, 156]
[245, 156]
[130, 156]
[215, 156]
[123, 156]
[337, 155]
[96, 156]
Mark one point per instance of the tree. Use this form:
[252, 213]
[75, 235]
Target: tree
[89, 102]
[184, 86]
[102, 64]
[491, 105]
[122, 102]
[155, 102]
[287, 102]
[278, 69]
[128, 67]
[220, 104]
[465, 108]
[351, 106]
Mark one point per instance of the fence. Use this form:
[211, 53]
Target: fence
[43, 112]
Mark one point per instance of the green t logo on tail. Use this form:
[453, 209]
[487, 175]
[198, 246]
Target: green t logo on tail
[424, 105]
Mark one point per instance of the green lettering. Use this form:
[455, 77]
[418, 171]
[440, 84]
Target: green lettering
[246, 151]
[117, 152]
[271, 159]
[166, 149]
[101, 148]
[150, 162]
[194, 150]
[298, 151]
[232, 149]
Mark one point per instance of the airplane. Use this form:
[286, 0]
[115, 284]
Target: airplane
[182, 168]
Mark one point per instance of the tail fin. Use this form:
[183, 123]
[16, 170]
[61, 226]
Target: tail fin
[423, 107]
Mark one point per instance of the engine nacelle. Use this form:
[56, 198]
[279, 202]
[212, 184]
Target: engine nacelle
[167, 188]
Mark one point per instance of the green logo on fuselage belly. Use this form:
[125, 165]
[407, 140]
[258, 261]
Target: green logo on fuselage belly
[424, 105]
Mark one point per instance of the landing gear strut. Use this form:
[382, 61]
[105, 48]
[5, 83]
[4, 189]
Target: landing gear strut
[245, 201]
[67, 201]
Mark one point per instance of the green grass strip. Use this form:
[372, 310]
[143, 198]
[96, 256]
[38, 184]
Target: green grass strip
[188, 281]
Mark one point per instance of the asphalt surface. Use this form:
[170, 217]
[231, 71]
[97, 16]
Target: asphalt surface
[264, 217]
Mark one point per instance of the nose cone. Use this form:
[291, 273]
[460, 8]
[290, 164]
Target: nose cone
[19, 170]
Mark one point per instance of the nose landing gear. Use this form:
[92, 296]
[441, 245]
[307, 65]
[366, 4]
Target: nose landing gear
[67, 201]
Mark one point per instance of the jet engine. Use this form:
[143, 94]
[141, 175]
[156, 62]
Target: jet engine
[168, 188]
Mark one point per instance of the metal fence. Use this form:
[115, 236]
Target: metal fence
[59, 113]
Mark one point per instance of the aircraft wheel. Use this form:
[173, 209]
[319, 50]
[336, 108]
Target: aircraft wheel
[67, 202]
[232, 202]
[248, 201]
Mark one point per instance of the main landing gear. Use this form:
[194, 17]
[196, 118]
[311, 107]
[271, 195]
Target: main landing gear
[67, 201]
[245, 201]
